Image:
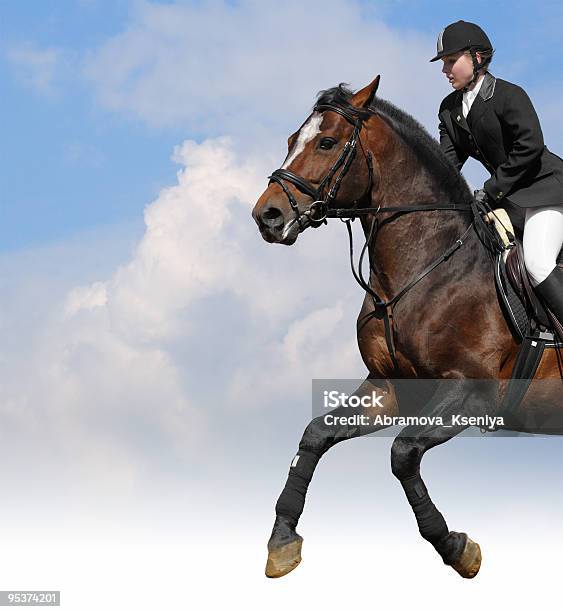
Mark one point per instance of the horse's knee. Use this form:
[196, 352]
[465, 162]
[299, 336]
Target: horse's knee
[406, 456]
[317, 437]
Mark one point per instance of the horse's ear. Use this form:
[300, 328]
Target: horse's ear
[365, 96]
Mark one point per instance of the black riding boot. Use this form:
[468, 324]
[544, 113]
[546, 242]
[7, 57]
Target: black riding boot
[551, 290]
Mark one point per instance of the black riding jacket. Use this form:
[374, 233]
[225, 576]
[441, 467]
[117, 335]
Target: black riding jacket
[503, 132]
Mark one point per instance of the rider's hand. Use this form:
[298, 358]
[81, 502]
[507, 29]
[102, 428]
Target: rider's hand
[480, 196]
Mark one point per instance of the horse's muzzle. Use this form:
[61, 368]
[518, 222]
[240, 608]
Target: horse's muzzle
[273, 225]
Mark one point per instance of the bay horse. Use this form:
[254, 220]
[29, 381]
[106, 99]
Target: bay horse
[430, 311]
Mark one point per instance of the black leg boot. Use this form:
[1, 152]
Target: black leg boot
[551, 290]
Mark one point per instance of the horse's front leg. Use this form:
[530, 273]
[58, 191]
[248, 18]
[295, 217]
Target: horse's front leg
[284, 546]
[461, 398]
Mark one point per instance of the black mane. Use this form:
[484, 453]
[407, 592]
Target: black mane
[412, 132]
[340, 96]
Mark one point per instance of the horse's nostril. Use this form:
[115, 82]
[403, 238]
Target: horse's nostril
[271, 213]
[272, 217]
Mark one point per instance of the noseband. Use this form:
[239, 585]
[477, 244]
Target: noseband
[319, 208]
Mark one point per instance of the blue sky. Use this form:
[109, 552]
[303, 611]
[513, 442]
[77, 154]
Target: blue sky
[71, 163]
[156, 355]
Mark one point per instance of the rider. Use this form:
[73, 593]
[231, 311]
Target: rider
[495, 122]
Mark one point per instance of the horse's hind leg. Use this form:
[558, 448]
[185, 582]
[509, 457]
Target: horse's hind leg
[452, 398]
[284, 546]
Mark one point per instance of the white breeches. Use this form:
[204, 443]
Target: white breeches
[542, 241]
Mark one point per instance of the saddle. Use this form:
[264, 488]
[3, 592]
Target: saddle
[525, 311]
[531, 323]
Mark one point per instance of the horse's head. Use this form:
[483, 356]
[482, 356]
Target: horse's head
[327, 166]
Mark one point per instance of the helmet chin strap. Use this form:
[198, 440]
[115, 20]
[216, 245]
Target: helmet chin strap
[476, 67]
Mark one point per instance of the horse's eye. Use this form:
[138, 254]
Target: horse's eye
[327, 143]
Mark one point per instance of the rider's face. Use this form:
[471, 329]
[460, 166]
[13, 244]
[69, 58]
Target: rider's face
[458, 68]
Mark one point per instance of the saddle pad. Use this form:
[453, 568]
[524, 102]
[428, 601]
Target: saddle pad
[512, 306]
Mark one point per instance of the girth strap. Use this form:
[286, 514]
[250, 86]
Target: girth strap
[527, 362]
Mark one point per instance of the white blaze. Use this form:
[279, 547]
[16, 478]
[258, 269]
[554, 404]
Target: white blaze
[306, 134]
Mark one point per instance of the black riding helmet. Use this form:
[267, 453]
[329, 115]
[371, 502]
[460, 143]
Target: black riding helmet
[460, 36]
[463, 36]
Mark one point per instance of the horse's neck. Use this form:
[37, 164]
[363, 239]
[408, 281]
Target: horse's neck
[402, 177]
[407, 243]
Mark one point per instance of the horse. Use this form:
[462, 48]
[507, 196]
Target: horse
[430, 311]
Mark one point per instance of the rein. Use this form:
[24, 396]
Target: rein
[319, 211]
[347, 213]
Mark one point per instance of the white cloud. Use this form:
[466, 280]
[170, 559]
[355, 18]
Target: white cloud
[117, 379]
[320, 345]
[132, 370]
[34, 66]
[217, 68]
[119, 374]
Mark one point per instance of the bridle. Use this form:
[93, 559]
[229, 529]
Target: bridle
[319, 209]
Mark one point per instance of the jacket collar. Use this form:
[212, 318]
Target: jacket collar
[487, 87]
[479, 105]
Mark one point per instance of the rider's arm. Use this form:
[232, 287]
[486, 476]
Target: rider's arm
[520, 120]
[457, 158]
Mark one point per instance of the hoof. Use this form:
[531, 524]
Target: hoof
[469, 561]
[284, 559]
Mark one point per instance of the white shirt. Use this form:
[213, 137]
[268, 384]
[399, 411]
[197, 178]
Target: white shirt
[469, 97]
